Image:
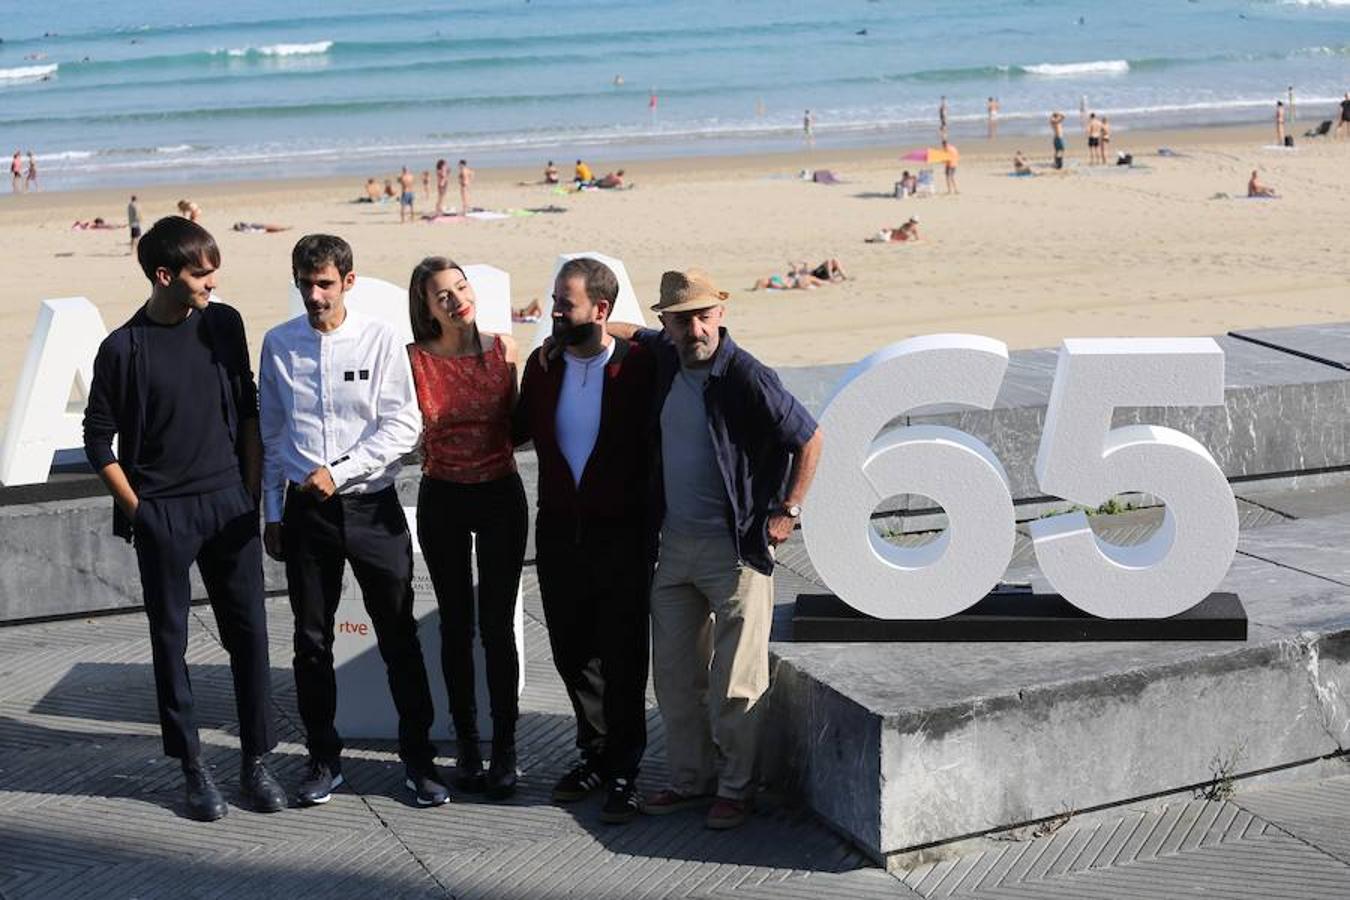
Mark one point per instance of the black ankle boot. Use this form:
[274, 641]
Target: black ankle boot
[501, 774]
[468, 775]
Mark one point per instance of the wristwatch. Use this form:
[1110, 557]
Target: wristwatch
[794, 511]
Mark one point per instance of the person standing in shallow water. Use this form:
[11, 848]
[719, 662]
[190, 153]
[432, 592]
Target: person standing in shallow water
[174, 386]
[466, 390]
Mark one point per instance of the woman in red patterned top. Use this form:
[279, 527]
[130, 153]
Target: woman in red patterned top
[466, 388]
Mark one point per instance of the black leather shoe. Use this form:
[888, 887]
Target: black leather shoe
[501, 775]
[426, 783]
[319, 783]
[259, 787]
[468, 775]
[204, 802]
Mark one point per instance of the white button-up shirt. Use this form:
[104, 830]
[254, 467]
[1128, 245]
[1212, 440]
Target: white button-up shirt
[344, 399]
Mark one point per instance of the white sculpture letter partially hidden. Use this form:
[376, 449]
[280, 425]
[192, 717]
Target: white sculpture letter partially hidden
[1082, 459]
[388, 302]
[43, 420]
[858, 470]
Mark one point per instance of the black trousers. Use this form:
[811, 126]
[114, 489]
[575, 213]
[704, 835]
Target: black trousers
[219, 531]
[371, 532]
[595, 588]
[449, 514]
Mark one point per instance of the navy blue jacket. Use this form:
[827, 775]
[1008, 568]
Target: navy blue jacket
[756, 428]
[117, 397]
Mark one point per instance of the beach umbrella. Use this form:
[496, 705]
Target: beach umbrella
[927, 155]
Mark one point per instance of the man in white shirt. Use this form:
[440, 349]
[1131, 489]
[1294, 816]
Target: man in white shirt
[338, 412]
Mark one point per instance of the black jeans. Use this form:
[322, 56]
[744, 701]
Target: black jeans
[219, 531]
[596, 587]
[449, 514]
[371, 532]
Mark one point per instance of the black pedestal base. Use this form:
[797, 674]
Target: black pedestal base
[1016, 614]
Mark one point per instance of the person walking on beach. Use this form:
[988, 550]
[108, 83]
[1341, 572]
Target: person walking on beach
[466, 390]
[993, 117]
[1057, 127]
[1343, 126]
[134, 221]
[1279, 123]
[442, 185]
[949, 168]
[31, 176]
[339, 412]
[465, 180]
[942, 117]
[406, 196]
[809, 128]
[1094, 140]
[16, 172]
[175, 387]
[738, 454]
[589, 415]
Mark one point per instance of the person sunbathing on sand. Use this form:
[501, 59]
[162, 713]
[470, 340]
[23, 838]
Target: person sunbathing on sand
[829, 270]
[906, 232]
[1256, 189]
[798, 278]
[1020, 164]
[550, 173]
[259, 227]
[531, 313]
[96, 225]
[611, 180]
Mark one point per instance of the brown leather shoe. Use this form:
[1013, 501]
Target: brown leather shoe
[669, 801]
[727, 813]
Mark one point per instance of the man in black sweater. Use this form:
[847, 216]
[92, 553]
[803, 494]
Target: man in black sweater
[174, 385]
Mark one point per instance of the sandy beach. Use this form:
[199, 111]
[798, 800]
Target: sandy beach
[1101, 251]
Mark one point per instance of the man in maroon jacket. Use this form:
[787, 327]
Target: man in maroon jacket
[588, 414]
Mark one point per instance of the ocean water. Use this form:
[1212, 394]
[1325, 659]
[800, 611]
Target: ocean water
[158, 91]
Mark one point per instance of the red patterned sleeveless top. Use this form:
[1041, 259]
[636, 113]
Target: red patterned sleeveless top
[466, 414]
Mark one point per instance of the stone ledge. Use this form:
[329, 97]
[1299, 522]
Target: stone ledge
[910, 746]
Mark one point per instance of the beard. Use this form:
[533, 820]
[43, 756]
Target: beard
[697, 352]
[570, 335]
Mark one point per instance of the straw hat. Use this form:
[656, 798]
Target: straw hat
[687, 291]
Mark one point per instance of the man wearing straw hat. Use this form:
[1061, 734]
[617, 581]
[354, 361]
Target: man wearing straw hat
[738, 453]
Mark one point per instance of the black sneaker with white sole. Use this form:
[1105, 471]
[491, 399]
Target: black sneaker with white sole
[320, 780]
[577, 784]
[426, 782]
[621, 802]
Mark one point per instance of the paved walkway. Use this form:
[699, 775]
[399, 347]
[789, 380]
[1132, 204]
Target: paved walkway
[88, 808]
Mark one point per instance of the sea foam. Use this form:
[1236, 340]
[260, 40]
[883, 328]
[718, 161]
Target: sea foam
[1065, 70]
[310, 49]
[24, 73]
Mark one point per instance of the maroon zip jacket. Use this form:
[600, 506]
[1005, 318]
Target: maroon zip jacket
[615, 485]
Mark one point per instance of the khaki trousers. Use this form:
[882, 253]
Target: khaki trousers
[710, 662]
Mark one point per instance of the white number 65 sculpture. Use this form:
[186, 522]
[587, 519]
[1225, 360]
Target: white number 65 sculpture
[1081, 459]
